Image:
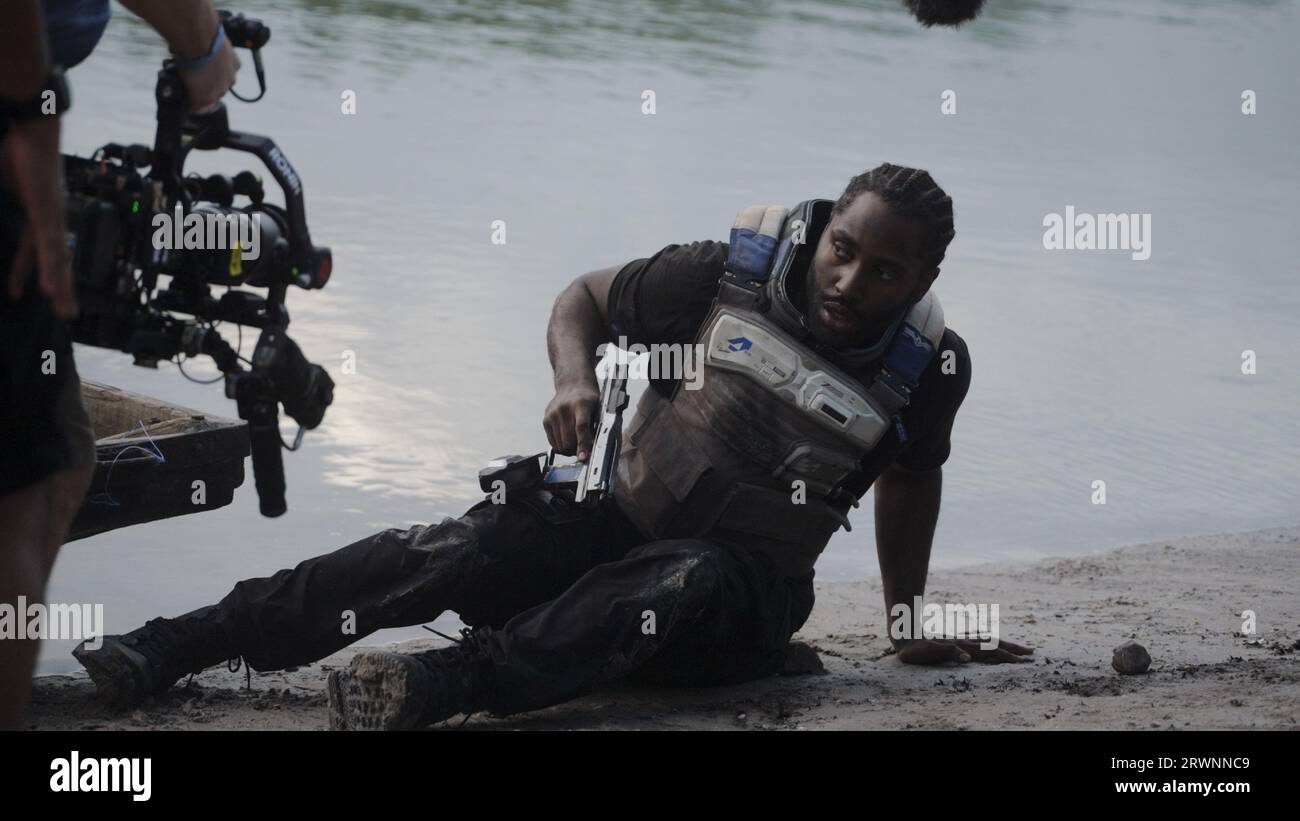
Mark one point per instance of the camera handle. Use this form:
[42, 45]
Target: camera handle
[254, 396]
[252, 35]
[257, 406]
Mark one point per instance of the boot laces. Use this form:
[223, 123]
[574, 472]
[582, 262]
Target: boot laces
[464, 651]
[174, 643]
[459, 668]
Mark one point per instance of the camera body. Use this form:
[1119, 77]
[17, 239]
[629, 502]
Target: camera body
[135, 218]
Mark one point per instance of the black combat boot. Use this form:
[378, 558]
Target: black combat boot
[147, 661]
[396, 691]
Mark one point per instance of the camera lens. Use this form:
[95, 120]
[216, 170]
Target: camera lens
[244, 247]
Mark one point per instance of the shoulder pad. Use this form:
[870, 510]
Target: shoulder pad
[926, 317]
[754, 237]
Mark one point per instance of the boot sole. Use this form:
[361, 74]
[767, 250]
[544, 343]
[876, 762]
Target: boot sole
[378, 691]
[113, 668]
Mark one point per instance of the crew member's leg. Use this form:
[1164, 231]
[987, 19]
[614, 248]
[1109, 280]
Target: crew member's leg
[36, 521]
[682, 610]
[47, 453]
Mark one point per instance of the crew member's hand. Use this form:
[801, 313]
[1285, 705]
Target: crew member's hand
[938, 651]
[570, 418]
[206, 86]
[32, 167]
[190, 28]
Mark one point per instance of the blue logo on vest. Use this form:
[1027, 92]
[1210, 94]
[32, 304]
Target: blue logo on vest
[739, 343]
[914, 336]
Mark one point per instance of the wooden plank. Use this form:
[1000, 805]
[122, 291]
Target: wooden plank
[152, 457]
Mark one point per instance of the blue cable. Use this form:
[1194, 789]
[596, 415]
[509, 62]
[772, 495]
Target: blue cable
[104, 497]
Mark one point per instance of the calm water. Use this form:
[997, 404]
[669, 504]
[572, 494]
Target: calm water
[1087, 365]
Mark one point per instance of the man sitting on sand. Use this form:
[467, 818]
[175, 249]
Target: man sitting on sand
[827, 369]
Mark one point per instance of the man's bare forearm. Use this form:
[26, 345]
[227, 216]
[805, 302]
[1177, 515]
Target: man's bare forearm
[573, 335]
[188, 26]
[907, 509]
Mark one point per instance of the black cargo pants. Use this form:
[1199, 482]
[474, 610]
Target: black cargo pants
[573, 603]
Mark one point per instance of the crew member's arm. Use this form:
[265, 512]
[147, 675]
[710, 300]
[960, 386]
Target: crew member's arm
[579, 324]
[30, 164]
[22, 44]
[190, 29]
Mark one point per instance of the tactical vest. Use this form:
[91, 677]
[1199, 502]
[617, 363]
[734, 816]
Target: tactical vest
[722, 462]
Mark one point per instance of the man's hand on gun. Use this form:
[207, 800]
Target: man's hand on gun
[570, 418]
[589, 423]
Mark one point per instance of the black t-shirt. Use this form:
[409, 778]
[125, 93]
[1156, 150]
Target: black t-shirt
[665, 298]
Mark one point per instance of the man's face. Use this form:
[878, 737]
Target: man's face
[868, 266]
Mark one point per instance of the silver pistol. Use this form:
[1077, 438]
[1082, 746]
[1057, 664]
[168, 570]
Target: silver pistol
[597, 477]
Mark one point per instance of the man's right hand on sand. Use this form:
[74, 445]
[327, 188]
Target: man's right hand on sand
[569, 419]
[938, 651]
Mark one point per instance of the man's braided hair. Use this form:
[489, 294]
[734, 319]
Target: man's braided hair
[944, 12]
[912, 193]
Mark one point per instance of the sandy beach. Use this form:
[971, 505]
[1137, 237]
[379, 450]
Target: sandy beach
[1182, 599]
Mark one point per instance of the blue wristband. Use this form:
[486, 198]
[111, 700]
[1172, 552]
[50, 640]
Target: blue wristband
[193, 64]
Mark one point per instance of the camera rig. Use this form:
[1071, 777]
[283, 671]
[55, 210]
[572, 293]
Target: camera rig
[113, 207]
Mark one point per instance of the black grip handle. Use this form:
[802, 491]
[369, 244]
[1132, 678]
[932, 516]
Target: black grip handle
[244, 32]
[257, 406]
[268, 468]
